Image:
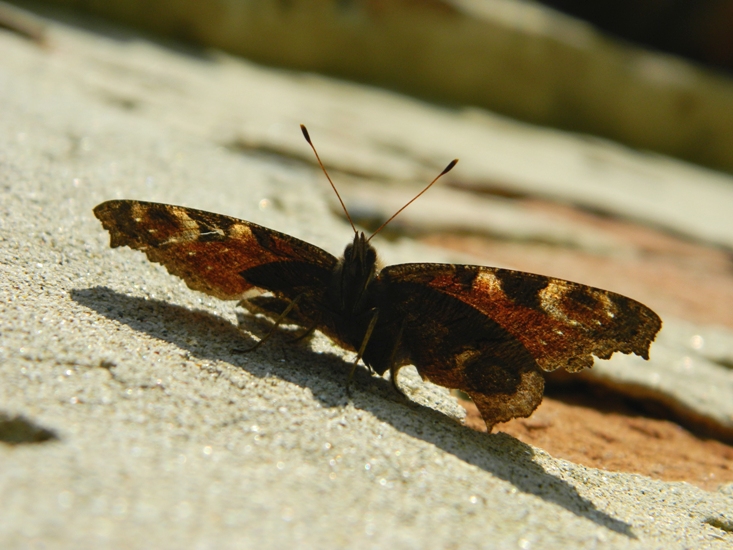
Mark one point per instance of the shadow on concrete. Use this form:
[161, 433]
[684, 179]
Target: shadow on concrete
[207, 336]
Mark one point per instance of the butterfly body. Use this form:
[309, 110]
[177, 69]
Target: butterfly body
[486, 331]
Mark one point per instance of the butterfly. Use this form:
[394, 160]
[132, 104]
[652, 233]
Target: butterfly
[486, 331]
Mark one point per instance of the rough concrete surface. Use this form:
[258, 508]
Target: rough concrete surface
[140, 423]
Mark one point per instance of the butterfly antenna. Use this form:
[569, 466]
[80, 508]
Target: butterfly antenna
[443, 173]
[308, 139]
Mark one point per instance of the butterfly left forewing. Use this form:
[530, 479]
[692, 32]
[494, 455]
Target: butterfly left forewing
[489, 331]
[216, 254]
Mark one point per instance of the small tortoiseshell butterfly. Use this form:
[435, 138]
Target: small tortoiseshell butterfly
[486, 331]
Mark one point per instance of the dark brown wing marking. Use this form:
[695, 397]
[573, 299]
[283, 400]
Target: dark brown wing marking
[562, 324]
[214, 253]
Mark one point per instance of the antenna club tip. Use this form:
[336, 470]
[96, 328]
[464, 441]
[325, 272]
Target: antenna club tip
[306, 135]
[450, 166]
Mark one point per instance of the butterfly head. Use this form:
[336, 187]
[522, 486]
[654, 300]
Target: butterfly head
[354, 272]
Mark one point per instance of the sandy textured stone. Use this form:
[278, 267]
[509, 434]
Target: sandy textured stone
[163, 435]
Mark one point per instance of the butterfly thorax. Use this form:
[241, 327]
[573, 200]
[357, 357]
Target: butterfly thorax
[351, 277]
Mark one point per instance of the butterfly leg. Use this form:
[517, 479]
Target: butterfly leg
[364, 342]
[279, 320]
[393, 368]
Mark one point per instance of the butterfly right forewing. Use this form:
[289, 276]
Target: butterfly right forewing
[489, 331]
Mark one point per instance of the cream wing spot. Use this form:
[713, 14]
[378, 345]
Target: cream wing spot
[240, 231]
[488, 282]
[551, 298]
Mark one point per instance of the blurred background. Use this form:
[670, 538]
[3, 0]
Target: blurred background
[629, 71]
[701, 31]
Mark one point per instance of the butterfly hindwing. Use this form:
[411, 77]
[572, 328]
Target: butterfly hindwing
[454, 345]
[216, 254]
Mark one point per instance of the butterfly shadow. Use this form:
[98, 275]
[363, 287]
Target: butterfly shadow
[208, 336]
